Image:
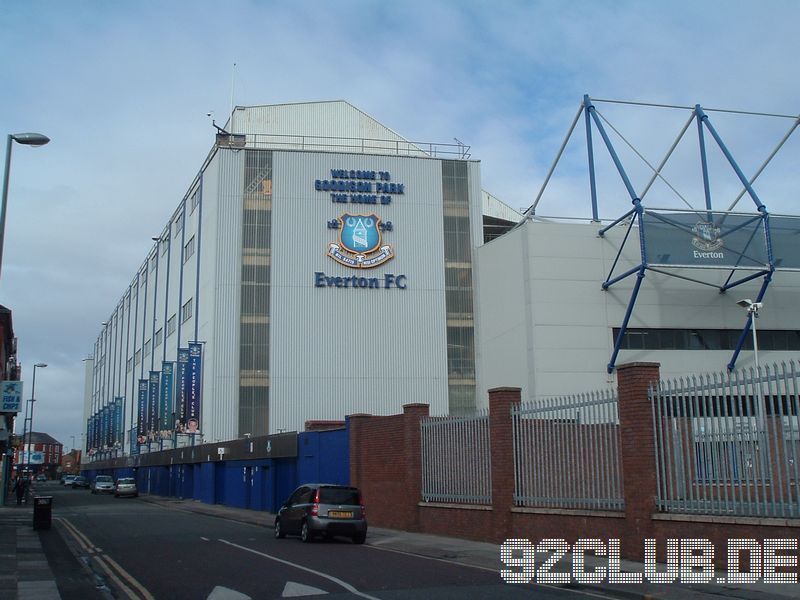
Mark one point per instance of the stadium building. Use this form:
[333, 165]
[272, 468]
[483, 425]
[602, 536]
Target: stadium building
[319, 265]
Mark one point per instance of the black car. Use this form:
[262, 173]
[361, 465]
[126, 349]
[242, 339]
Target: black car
[323, 509]
[79, 482]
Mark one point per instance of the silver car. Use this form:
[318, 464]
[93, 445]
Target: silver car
[102, 484]
[126, 486]
[323, 509]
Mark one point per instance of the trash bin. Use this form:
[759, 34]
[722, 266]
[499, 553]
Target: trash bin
[42, 511]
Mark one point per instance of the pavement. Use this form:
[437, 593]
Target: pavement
[38, 565]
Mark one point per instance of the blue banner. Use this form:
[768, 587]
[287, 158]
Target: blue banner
[90, 433]
[152, 402]
[165, 406]
[195, 388]
[117, 420]
[104, 427]
[141, 420]
[182, 386]
[134, 445]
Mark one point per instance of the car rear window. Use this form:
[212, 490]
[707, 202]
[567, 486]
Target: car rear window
[332, 495]
[125, 481]
[102, 478]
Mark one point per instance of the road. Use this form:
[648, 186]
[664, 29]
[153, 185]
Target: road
[148, 551]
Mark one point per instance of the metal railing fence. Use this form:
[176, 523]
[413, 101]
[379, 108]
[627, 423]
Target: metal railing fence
[355, 145]
[729, 443]
[567, 452]
[456, 459]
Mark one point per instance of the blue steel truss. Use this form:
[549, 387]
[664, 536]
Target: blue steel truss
[636, 217]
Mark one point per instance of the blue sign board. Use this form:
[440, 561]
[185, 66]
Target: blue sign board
[152, 401]
[165, 405]
[141, 420]
[195, 390]
[11, 396]
[183, 385]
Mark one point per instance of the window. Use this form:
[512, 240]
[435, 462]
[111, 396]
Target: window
[154, 262]
[159, 338]
[138, 357]
[164, 243]
[706, 339]
[143, 279]
[147, 348]
[188, 249]
[130, 364]
[178, 224]
[171, 326]
[195, 201]
[186, 311]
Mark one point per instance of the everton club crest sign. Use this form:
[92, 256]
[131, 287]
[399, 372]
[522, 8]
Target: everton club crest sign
[360, 243]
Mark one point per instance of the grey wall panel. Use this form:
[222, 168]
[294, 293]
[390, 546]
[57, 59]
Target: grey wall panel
[222, 240]
[334, 119]
[547, 324]
[341, 350]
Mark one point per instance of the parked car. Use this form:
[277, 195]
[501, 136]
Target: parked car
[323, 509]
[126, 486]
[67, 481]
[79, 482]
[41, 477]
[103, 483]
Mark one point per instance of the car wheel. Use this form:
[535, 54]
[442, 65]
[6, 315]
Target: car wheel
[279, 534]
[305, 533]
[360, 538]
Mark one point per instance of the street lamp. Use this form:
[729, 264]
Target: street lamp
[26, 139]
[752, 310]
[30, 426]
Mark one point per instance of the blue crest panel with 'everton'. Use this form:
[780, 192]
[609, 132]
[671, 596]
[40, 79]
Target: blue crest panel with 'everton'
[360, 243]
[360, 233]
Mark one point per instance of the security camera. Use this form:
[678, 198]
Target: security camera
[208, 114]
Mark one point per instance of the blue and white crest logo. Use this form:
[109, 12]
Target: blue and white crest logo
[360, 242]
[706, 236]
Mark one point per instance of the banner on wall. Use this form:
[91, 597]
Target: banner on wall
[194, 394]
[152, 404]
[117, 420]
[166, 414]
[182, 388]
[106, 416]
[141, 423]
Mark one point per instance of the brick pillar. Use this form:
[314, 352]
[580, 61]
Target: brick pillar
[638, 454]
[412, 434]
[500, 401]
[353, 424]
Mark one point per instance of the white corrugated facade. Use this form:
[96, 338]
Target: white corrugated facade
[547, 326]
[285, 341]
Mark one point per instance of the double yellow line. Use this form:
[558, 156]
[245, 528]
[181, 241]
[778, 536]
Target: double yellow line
[115, 572]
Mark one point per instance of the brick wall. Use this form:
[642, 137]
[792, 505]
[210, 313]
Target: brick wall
[385, 462]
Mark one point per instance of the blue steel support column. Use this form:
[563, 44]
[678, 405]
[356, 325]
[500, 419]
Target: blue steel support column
[127, 301]
[621, 334]
[589, 148]
[623, 175]
[157, 256]
[178, 314]
[144, 313]
[639, 277]
[703, 160]
[734, 165]
[133, 367]
[197, 260]
[746, 330]
[166, 291]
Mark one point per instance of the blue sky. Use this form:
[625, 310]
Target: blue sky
[123, 89]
